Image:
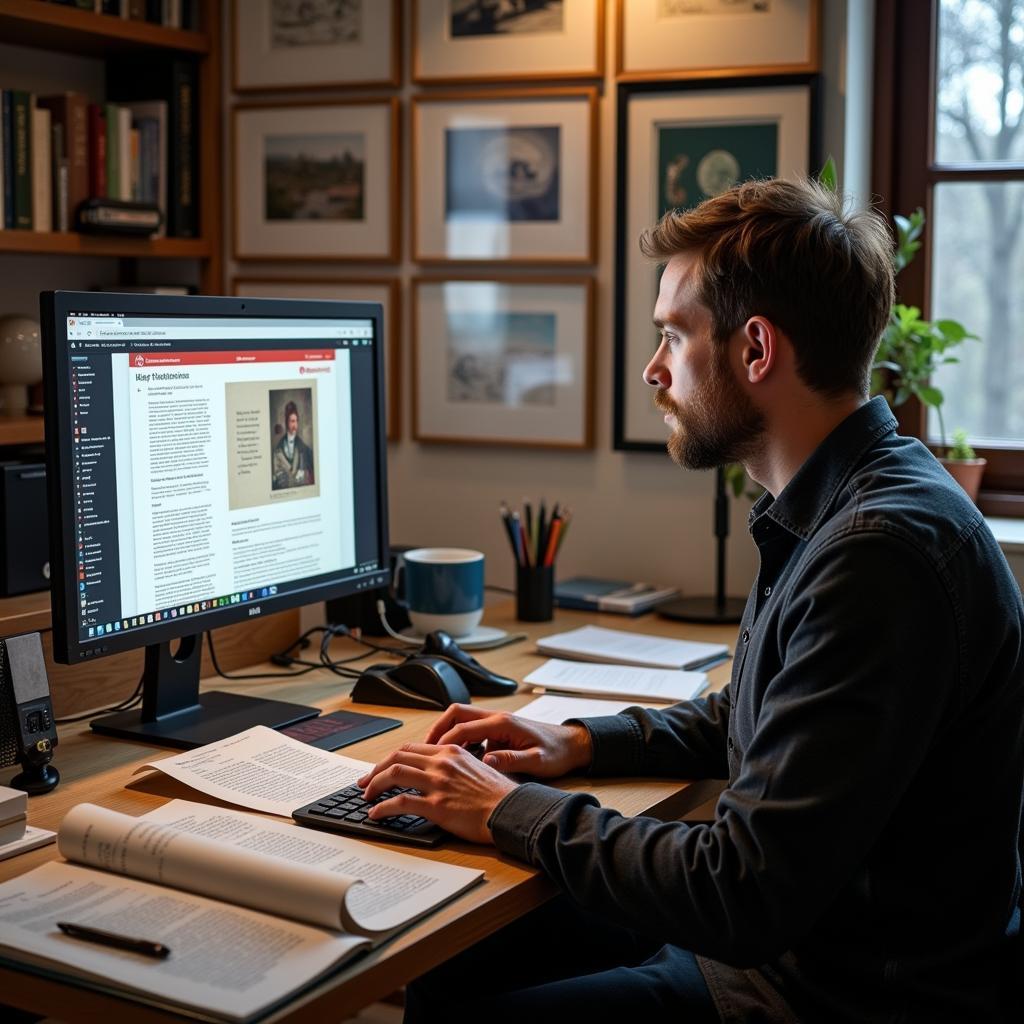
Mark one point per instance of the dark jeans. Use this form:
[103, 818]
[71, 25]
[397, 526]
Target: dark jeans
[559, 964]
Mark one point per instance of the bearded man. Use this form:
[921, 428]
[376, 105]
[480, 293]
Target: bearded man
[863, 863]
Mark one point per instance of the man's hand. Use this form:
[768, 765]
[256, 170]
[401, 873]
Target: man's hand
[515, 744]
[457, 791]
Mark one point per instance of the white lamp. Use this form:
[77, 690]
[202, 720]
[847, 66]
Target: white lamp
[21, 363]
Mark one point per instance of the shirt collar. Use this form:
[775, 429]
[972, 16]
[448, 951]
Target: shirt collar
[806, 499]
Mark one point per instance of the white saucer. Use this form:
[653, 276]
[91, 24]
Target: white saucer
[482, 636]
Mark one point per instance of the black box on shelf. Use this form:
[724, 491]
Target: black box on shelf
[25, 548]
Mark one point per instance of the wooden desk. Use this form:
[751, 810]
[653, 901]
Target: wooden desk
[97, 769]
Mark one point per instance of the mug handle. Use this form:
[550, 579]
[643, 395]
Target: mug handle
[397, 591]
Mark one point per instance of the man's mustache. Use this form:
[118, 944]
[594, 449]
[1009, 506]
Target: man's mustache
[664, 402]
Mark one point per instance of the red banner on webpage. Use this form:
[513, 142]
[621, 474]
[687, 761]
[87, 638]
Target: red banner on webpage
[141, 360]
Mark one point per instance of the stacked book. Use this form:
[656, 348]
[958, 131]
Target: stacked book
[169, 13]
[58, 152]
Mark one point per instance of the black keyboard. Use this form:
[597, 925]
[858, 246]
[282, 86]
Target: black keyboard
[346, 812]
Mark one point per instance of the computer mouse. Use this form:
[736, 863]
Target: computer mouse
[429, 683]
[481, 681]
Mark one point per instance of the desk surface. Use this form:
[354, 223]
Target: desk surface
[97, 769]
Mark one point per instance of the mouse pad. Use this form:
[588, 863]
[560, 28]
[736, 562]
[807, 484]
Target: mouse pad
[339, 729]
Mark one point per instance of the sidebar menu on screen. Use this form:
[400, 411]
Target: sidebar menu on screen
[97, 566]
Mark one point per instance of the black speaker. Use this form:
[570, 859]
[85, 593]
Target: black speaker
[359, 610]
[28, 732]
[24, 545]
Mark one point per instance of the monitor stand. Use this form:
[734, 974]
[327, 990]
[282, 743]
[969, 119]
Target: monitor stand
[175, 714]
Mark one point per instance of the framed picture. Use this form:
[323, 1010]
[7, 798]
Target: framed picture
[317, 181]
[385, 290]
[659, 39]
[503, 361]
[679, 144]
[507, 40]
[506, 177]
[315, 44]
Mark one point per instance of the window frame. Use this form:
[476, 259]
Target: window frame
[904, 174]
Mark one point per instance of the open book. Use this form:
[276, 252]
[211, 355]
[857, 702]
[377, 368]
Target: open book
[252, 910]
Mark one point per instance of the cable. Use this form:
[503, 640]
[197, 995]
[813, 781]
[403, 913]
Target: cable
[126, 705]
[309, 666]
[409, 641]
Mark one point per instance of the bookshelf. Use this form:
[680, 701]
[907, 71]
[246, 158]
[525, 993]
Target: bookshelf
[61, 33]
[54, 28]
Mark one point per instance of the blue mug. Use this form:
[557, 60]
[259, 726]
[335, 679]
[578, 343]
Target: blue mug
[444, 589]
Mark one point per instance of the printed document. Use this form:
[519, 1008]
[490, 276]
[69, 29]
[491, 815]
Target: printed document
[554, 709]
[263, 770]
[618, 646]
[657, 684]
[177, 875]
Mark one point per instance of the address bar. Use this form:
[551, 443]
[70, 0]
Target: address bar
[228, 333]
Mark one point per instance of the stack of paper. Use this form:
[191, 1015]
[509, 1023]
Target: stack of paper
[594, 643]
[654, 684]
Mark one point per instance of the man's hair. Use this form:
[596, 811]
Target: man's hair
[290, 408]
[790, 251]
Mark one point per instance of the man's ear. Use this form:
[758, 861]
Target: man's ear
[760, 348]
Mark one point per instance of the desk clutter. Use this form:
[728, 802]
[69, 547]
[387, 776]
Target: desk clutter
[535, 541]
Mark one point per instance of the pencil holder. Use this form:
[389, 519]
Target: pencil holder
[535, 597]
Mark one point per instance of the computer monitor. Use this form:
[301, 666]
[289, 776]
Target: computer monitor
[209, 461]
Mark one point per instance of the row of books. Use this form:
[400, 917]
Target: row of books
[170, 13]
[58, 152]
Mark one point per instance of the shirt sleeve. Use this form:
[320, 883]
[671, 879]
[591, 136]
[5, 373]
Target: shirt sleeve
[842, 729]
[687, 740]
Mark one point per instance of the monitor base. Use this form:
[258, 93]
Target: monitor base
[704, 609]
[216, 716]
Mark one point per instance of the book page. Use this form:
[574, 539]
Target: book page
[658, 684]
[157, 852]
[595, 643]
[225, 961]
[262, 770]
[394, 888]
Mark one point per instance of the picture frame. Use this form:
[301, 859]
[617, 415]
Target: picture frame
[281, 45]
[503, 360]
[385, 290]
[463, 41]
[317, 180]
[674, 141]
[671, 39]
[505, 177]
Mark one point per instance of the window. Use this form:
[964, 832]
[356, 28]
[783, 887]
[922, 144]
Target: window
[952, 75]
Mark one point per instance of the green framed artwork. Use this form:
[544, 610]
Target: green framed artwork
[678, 144]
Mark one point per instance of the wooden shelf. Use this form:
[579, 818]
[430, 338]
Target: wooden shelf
[21, 430]
[54, 27]
[72, 243]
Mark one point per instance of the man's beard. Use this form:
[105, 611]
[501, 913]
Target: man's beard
[719, 423]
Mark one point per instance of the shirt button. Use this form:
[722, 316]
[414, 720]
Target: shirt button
[768, 591]
[746, 636]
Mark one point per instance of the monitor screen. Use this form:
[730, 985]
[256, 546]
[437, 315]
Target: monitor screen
[210, 460]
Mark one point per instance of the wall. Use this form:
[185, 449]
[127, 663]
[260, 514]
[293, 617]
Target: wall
[636, 514]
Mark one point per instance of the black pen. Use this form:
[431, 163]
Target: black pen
[144, 946]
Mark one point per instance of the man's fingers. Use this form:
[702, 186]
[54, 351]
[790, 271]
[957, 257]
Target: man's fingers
[404, 803]
[455, 713]
[396, 757]
[469, 732]
[406, 776]
[511, 760]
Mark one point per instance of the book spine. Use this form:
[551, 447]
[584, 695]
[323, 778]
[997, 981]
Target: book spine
[124, 153]
[6, 155]
[135, 171]
[62, 204]
[42, 171]
[97, 152]
[70, 111]
[22, 134]
[183, 151]
[113, 156]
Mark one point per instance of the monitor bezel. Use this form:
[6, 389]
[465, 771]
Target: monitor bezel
[55, 306]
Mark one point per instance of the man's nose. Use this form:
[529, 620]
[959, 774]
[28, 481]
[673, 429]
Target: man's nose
[656, 373]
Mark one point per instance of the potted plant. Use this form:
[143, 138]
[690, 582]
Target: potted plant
[963, 465]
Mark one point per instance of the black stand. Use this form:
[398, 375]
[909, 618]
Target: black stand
[36, 779]
[719, 609]
[174, 714]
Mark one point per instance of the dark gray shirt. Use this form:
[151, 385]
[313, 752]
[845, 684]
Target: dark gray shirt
[863, 863]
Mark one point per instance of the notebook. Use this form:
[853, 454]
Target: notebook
[618, 646]
[658, 684]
